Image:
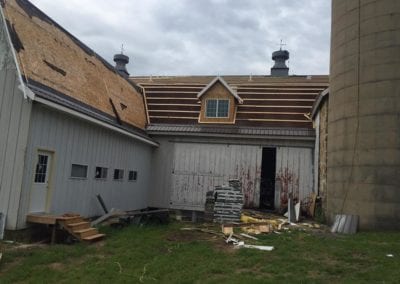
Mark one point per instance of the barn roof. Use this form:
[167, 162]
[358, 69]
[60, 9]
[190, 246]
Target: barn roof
[59, 67]
[280, 102]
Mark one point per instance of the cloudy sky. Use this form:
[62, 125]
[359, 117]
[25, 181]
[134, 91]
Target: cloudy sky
[201, 37]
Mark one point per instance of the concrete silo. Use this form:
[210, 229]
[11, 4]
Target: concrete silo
[364, 112]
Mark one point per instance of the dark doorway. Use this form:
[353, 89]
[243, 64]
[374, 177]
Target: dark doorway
[267, 186]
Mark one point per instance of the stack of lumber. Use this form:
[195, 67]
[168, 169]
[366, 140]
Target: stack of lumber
[228, 202]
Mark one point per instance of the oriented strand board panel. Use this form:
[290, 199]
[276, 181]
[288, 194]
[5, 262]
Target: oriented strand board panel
[51, 56]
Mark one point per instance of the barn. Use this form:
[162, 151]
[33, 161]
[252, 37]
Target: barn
[71, 126]
[215, 128]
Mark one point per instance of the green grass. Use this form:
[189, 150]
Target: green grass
[165, 254]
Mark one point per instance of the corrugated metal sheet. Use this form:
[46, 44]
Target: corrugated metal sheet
[14, 124]
[77, 141]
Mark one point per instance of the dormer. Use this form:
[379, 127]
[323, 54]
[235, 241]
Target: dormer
[218, 103]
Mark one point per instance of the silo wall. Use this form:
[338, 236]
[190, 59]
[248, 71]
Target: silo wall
[364, 113]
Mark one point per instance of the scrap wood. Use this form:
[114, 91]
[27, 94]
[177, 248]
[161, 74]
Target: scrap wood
[312, 205]
[266, 248]
[113, 213]
[248, 236]
[40, 244]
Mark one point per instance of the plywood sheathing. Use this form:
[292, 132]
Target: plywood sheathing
[53, 58]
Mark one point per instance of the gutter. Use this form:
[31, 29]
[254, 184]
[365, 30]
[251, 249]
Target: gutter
[95, 121]
[243, 136]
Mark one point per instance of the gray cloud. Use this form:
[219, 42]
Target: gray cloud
[187, 37]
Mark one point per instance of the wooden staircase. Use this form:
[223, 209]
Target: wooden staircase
[80, 229]
[74, 224]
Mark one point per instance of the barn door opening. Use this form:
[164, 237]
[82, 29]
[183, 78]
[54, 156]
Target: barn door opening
[267, 185]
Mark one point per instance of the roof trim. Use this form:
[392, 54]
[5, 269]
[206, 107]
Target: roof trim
[318, 102]
[225, 84]
[23, 88]
[94, 120]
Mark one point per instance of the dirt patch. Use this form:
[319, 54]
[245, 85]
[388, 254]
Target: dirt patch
[99, 244]
[217, 242]
[189, 236]
[56, 266]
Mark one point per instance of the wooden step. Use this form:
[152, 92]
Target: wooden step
[93, 237]
[73, 220]
[78, 226]
[86, 232]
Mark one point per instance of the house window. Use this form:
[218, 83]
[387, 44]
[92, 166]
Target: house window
[132, 176]
[118, 174]
[217, 108]
[79, 171]
[101, 173]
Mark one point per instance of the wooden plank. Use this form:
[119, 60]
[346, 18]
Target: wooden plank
[41, 219]
[243, 225]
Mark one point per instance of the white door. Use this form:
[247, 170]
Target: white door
[40, 187]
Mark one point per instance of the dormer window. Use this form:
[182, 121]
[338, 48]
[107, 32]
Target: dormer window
[217, 108]
[218, 103]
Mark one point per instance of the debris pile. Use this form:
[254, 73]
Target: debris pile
[228, 202]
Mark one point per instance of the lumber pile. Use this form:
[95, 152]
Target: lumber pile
[228, 202]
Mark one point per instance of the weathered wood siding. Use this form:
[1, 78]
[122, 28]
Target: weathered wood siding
[294, 173]
[198, 168]
[186, 170]
[14, 124]
[76, 141]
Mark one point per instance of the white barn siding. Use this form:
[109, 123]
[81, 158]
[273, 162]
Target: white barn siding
[186, 169]
[14, 124]
[294, 168]
[76, 141]
[198, 168]
[161, 174]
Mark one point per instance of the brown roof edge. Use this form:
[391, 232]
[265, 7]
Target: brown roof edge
[324, 94]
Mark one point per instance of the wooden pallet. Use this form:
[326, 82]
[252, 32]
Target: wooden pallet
[74, 224]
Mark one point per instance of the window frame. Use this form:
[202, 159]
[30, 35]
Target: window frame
[119, 178]
[135, 175]
[40, 176]
[216, 108]
[101, 173]
[81, 165]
